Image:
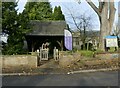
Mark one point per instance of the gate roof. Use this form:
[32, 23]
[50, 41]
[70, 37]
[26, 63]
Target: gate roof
[47, 28]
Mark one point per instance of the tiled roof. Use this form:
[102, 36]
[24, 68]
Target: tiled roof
[50, 28]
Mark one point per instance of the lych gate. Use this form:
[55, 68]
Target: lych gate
[51, 33]
[43, 54]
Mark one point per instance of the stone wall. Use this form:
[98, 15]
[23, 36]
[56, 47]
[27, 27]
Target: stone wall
[27, 61]
[67, 59]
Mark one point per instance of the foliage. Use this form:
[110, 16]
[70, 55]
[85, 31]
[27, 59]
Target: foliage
[34, 11]
[24, 23]
[38, 10]
[57, 14]
[10, 26]
[9, 17]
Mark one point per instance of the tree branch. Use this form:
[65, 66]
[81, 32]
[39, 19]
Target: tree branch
[94, 7]
[100, 5]
[74, 20]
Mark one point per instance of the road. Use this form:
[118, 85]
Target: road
[81, 79]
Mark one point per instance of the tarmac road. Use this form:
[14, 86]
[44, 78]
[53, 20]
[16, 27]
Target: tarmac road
[82, 79]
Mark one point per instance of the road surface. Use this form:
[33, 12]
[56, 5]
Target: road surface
[81, 79]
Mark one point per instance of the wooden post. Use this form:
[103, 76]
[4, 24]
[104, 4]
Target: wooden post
[40, 53]
[38, 57]
[32, 47]
[47, 52]
[56, 54]
[87, 46]
[61, 45]
[54, 51]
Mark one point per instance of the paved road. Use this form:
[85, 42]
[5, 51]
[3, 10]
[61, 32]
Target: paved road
[81, 79]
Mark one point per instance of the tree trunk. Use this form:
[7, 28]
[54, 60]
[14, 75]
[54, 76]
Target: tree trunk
[103, 26]
[106, 14]
[106, 23]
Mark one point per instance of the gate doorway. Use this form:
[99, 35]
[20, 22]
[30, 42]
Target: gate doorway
[48, 49]
[43, 53]
[52, 45]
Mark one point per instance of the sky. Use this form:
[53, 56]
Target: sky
[76, 9]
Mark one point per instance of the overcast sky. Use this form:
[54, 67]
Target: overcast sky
[76, 9]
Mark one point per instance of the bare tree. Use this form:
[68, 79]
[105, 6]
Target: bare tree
[83, 25]
[106, 14]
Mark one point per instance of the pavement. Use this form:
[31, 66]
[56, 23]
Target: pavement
[60, 72]
[50, 67]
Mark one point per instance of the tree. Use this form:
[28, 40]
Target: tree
[106, 14]
[10, 26]
[38, 10]
[83, 25]
[57, 14]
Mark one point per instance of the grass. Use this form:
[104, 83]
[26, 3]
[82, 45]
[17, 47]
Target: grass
[86, 53]
[99, 51]
[111, 50]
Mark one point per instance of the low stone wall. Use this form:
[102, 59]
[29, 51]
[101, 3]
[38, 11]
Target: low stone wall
[107, 55]
[27, 61]
[66, 59]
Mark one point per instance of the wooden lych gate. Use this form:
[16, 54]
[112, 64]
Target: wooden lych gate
[43, 53]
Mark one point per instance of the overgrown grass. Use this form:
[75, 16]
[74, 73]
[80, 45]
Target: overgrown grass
[99, 51]
[111, 50]
[86, 53]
